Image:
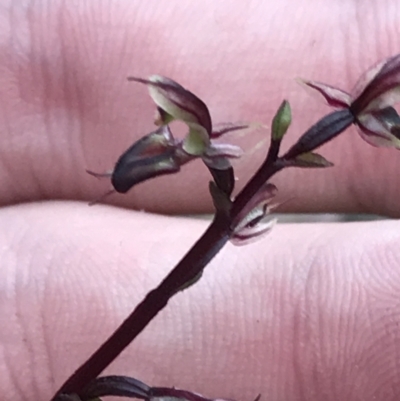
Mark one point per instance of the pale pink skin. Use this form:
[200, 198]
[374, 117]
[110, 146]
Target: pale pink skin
[311, 312]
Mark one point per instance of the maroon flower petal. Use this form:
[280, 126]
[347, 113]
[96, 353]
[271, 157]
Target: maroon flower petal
[131, 171]
[151, 144]
[334, 96]
[250, 234]
[176, 102]
[366, 78]
[379, 87]
[376, 131]
[256, 208]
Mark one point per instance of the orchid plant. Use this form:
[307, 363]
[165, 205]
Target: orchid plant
[238, 218]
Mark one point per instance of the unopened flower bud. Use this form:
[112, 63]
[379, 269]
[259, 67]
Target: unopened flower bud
[281, 121]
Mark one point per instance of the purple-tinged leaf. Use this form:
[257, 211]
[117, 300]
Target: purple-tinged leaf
[310, 160]
[335, 97]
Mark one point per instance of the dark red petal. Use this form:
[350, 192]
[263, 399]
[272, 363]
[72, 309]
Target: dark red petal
[255, 206]
[129, 172]
[376, 132]
[177, 101]
[383, 88]
[334, 96]
[248, 235]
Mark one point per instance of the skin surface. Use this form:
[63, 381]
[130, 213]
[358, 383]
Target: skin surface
[311, 312]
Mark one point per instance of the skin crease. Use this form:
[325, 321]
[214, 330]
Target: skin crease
[309, 313]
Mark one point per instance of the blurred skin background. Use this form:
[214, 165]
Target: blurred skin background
[310, 312]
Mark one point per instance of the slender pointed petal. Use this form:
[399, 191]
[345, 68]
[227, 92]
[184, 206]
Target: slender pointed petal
[334, 96]
[225, 128]
[102, 197]
[106, 174]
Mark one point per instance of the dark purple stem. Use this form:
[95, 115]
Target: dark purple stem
[209, 244]
[193, 263]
